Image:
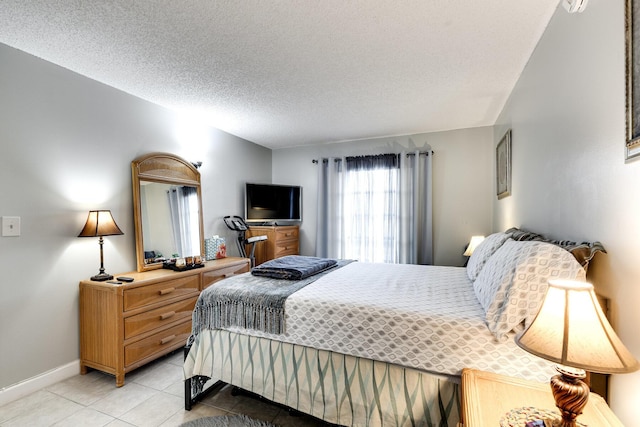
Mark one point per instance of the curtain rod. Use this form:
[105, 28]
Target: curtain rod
[422, 153]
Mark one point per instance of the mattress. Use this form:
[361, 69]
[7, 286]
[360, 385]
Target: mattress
[422, 317]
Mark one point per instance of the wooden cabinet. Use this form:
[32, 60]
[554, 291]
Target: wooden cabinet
[124, 326]
[281, 240]
[487, 397]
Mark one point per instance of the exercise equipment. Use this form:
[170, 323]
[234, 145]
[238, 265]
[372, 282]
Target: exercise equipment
[238, 225]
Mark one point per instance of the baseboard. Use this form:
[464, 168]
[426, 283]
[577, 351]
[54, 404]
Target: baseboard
[33, 384]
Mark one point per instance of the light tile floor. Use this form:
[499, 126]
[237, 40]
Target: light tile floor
[152, 396]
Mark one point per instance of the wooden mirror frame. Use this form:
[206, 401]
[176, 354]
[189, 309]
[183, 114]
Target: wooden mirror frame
[167, 169]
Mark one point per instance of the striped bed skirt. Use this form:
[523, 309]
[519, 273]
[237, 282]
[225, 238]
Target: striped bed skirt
[334, 387]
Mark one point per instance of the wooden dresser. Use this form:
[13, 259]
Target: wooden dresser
[123, 327]
[281, 240]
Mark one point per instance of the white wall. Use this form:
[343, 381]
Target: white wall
[462, 183]
[570, 179]
[66, 146]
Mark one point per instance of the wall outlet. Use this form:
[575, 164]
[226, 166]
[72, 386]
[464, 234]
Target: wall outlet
[10, 226]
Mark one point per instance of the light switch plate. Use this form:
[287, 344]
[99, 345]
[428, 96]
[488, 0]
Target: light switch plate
[10, 226]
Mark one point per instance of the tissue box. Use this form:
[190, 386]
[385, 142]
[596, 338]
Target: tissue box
[215, 248]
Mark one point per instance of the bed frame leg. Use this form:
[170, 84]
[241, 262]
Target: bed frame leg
[188, 402]
[189, 399]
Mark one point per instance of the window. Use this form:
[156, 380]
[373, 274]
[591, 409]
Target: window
[370, 201]
[376, 208]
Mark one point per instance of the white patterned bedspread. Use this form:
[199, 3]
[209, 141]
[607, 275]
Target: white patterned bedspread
[424, 317]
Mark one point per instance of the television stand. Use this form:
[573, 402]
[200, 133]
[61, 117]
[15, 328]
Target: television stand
[281, 240]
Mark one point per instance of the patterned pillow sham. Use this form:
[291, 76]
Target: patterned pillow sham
[583, 252]
[483, 252]
[513, 282]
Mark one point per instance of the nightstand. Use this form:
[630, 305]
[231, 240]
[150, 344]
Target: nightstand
[487, 397]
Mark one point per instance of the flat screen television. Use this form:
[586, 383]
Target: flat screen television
[271, 203]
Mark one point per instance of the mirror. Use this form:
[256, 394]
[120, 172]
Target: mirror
[167, 209]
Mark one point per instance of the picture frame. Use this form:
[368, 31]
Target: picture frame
[632, 39]
[503, 166]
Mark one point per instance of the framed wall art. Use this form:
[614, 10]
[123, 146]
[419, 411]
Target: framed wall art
[632, 30]
[503, 166]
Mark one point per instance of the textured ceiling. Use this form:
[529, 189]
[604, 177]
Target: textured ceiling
[294, 72]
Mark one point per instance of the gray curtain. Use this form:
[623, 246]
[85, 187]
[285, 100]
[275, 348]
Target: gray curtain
[183, 208]
[376, 208]
[329, 236]
[416, 217]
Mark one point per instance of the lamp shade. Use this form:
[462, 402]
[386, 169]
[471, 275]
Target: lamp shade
[473, 244]
[100, 223]
[571, 329]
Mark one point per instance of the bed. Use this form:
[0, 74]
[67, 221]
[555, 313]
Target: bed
[362, 344]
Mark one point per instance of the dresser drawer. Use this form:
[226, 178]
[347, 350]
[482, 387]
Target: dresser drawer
[145, 295]
[168, 339]
[211, 277]
[286, 248]
[152, 319]
[286, 233]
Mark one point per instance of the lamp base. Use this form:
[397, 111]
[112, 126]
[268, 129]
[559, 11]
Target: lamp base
[101, 277]
[571, 394]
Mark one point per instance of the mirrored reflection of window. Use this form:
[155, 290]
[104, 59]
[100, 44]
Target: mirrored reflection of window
[183, 207]
[170, 221]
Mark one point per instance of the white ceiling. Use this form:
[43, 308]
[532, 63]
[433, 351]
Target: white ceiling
[285, 73]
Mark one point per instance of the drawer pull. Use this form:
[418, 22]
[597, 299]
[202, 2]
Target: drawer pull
[168, 315]
[166, 291]
[167, 339]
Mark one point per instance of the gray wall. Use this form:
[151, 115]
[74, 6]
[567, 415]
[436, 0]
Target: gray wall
[570, 179]
[66, 145]
[462, 183]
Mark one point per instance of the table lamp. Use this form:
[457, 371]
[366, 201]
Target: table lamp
[473, 244]
[100, 223]
[571, 330]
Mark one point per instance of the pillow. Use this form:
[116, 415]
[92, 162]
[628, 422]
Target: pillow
[582, 252]
[524, 235]
[482, 253]
[513, 282]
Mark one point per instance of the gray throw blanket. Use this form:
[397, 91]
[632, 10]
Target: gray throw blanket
[249, 302]
[293, 267]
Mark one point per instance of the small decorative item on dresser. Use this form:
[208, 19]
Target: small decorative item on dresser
[215, 248]
[99, 224]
